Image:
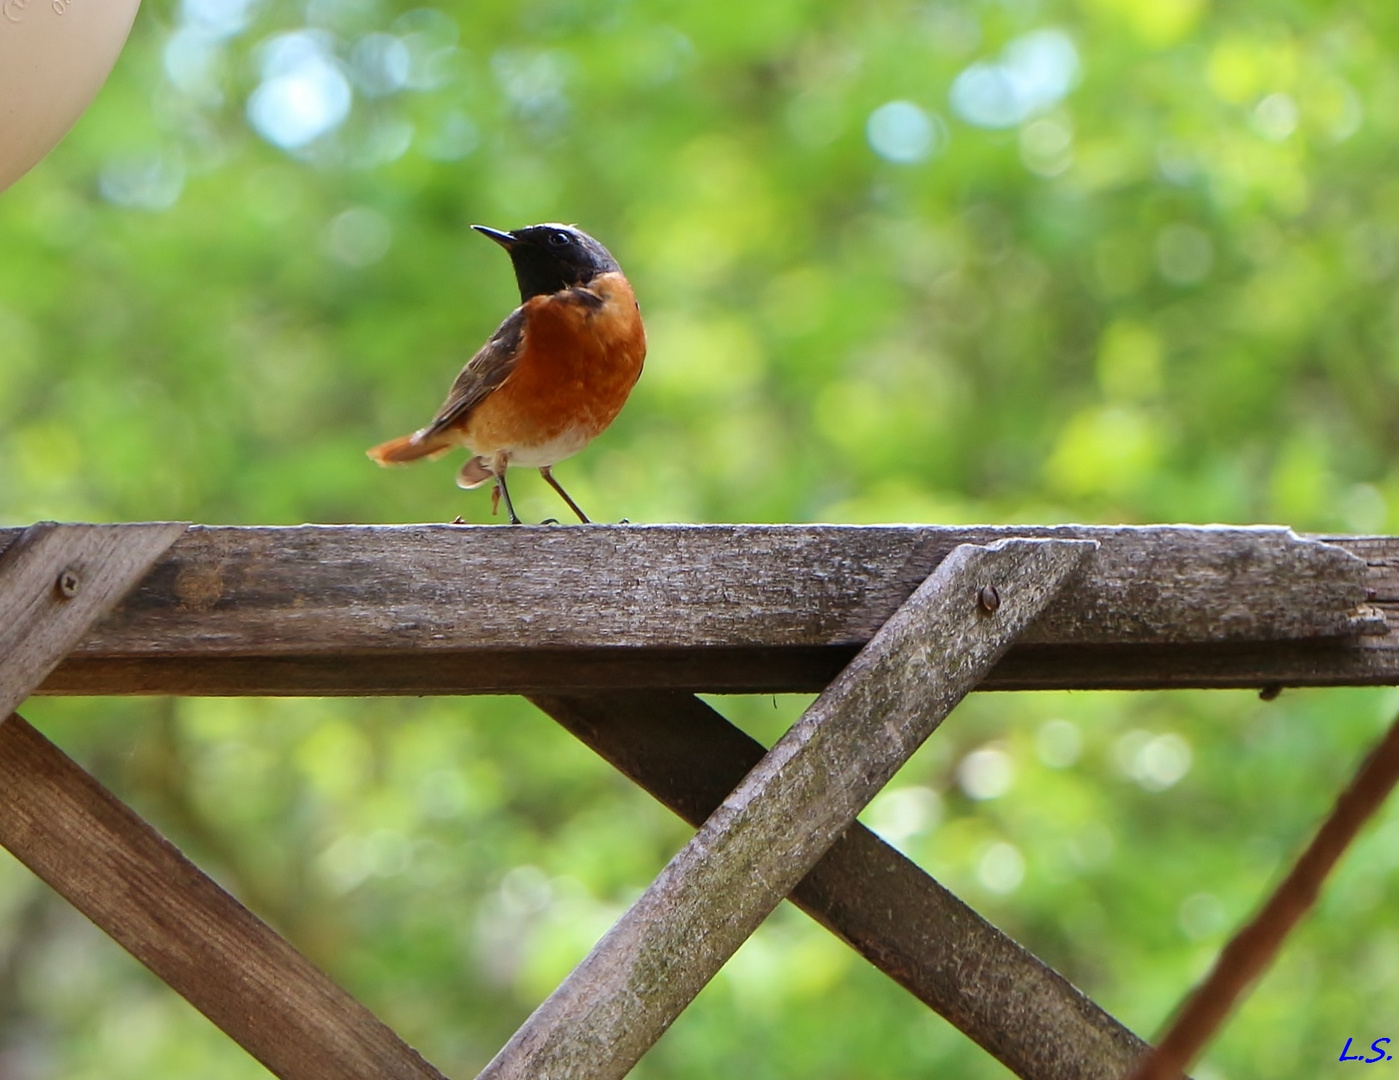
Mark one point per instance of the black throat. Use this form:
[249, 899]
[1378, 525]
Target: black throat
[539, 275]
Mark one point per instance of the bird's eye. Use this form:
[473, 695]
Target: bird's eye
[560, 239]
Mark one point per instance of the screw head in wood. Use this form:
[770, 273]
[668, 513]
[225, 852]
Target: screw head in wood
[68, 584]
[988, 599]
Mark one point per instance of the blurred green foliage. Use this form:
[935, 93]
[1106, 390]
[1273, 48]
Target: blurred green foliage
[970, 260]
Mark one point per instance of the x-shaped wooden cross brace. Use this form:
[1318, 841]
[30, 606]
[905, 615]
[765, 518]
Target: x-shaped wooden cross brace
[785, 827]
[774, 827]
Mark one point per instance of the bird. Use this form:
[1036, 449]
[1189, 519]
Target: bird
[551, 378]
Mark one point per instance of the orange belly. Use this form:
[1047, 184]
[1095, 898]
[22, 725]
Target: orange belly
[577, 364]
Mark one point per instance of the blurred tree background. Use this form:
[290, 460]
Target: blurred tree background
[951, 261]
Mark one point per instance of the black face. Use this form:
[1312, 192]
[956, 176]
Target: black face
[549, 258]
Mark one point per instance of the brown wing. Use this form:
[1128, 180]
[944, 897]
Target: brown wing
[483, 373]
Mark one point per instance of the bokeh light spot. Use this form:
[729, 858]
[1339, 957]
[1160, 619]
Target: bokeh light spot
[1033, 73]
[380, 64]
[303, 95]
[216, 18]
[1046, 145]
[987, 773]
[900, 813]
[901, 132]
[1155, 762]
[1059, 743]
[1276, 117]
[1002, 868]
[358, 237]
[144, 182]
[1201, 916]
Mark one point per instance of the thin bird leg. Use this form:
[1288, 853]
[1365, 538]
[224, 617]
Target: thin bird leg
[502, 491]
[547, 472]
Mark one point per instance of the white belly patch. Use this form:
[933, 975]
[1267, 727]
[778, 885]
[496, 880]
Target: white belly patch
[534, 457]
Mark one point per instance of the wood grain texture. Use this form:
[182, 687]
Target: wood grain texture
[450, 609]
[41, 621]
[883, 905]
[137, 887]
[771, 830]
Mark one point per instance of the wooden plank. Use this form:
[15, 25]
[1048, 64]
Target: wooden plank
[896, 916]
[55, 582]
[446, 609]
[771, 830]
[137, 887]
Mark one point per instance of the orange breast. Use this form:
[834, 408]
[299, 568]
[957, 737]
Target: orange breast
[578, 361]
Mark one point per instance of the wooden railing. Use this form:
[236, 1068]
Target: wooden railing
[611, 630]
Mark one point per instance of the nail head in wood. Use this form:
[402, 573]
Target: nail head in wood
[988, 599]
[68, 584]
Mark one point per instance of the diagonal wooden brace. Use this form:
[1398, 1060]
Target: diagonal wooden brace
[134, 884]
[775, 826]
[886, 907]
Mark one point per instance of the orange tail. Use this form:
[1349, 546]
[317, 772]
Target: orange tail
[408, 448]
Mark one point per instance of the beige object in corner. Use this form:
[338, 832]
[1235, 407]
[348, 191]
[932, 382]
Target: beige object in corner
[54, 56]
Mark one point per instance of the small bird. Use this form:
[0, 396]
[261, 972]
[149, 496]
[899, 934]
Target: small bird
[551, 378]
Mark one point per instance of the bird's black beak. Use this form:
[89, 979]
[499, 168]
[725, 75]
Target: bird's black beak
[504, 239]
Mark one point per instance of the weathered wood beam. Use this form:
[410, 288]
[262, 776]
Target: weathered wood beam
[775, 826]
[119, 872]
[882, 904]
[427, 609]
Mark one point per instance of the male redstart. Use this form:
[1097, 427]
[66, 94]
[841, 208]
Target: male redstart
[551, 378]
